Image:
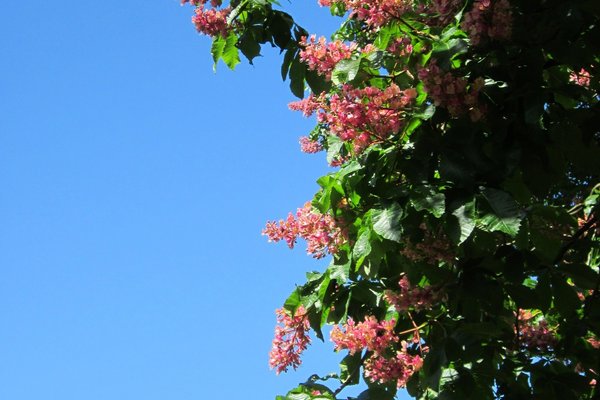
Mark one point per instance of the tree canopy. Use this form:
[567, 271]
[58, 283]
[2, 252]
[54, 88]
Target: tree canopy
[462, 213]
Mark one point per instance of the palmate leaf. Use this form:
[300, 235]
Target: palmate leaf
[225, 49]
[506, 216]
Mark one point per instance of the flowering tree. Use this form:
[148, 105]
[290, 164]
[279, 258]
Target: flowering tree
[462, 216]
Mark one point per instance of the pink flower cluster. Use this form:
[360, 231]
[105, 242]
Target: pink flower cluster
[213, 3]
[534, 335]
[308, 145]
[581, 78]
[452, 92]
[434, 248]
[360, 116]
[378, 338]
[401, 47]
[370, 334]
[375, 12]
[594, 342]
[488, 19]
[399, 368]
[309, 105]
[411, 297]
[445, 10]
[290, 340]
[321, 56]
[320, 231]
[210, 21]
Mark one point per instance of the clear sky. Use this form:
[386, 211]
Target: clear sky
[134, 186]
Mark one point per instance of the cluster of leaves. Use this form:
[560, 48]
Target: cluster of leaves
[500, 213]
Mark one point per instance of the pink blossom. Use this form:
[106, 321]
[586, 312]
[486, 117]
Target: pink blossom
[290, 340]
[535, 335]
[401, 47]
[370, 334]
[432, 249]
[367, 115]
[488, 19]
[399, 368]
[361, 116]
[213, 3]
[454, 93]
[411, 297]
[581, 78]
[320, 231]
[308, 145]
[443, 11]
[594, 342]
[308, 105]
[321, 56]
[211, 21]
[376, 12]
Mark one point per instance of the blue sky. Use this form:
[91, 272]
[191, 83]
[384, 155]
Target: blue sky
[135, 184]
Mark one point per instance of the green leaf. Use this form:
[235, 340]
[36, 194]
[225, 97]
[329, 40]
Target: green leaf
[349, 168]
[236, 11]
[296, 73]
[339, 270]
[249, 47]
[565, 298]
[523, 296]
[428, 199]
[444, 52]
[230, 54]
[582, 275]
[479, 330]
[289, 56]
[345, 71]
[362, 247]
[350, 368]
[293, 300]
[334, 146]
[506, 215]
[426, 114]
[465, 215]
[387, 222]
[216, 50]
[375, 393]
[316, 82]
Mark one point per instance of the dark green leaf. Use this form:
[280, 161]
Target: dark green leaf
[506, 215]
[350, 368]
[465, 215]
[427, 198]
[565, 297]
[387, 222]
[296, 73]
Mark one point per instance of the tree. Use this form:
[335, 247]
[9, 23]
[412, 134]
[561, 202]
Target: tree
[462, 218]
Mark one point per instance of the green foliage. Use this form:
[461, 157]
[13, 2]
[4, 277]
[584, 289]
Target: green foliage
[497, 213]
